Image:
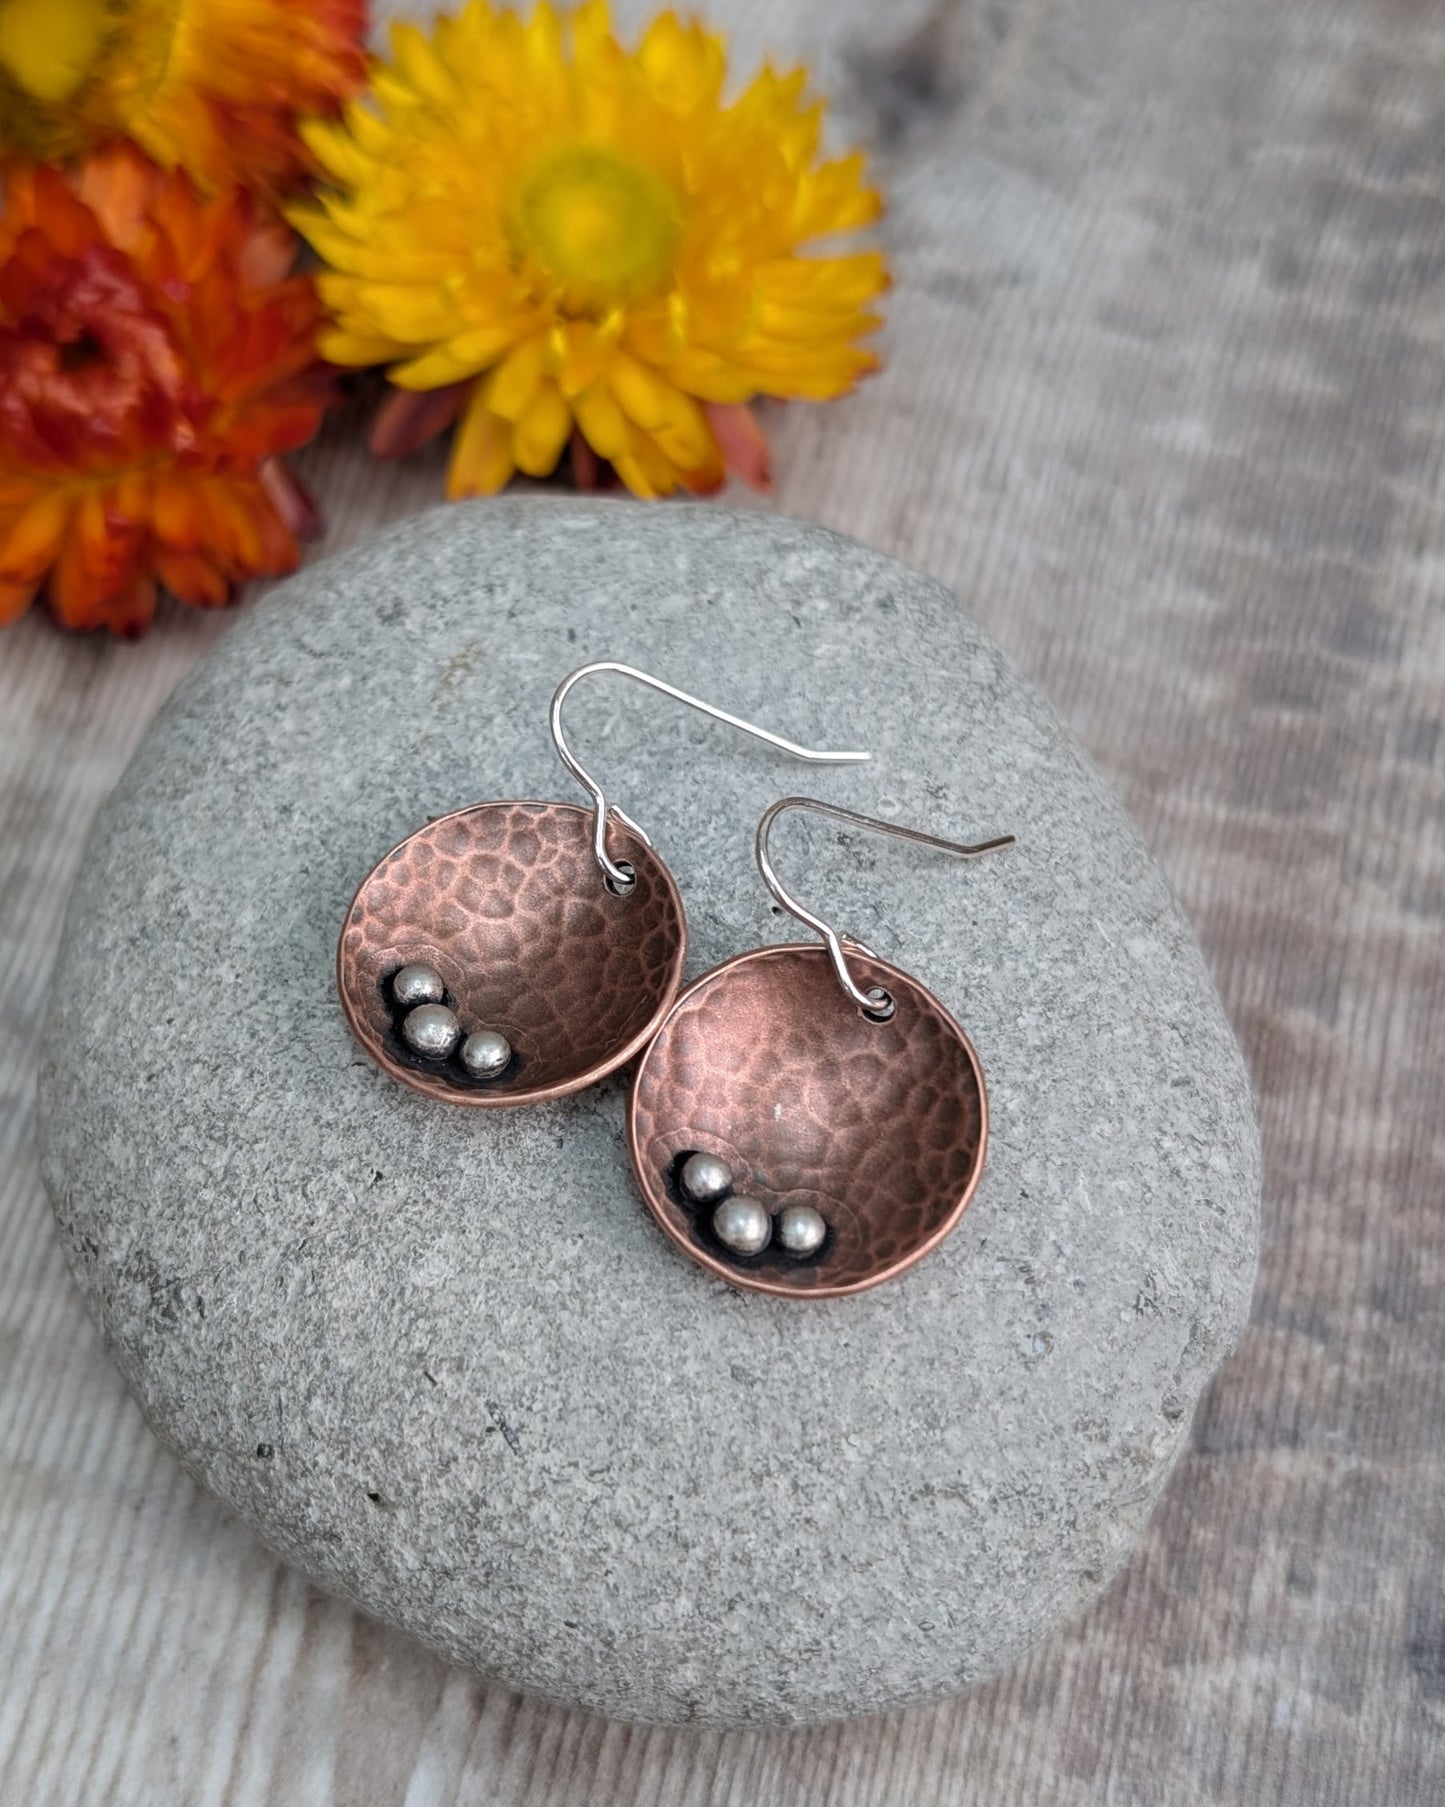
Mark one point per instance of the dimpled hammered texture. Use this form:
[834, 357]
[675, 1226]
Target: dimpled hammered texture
[507, 903]
[879, 1126]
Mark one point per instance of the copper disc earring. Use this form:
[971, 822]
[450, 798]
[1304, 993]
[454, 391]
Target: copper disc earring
[810, 1121]
[513, 952]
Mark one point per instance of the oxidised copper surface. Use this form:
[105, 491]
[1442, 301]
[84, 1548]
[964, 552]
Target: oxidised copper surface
[506, 901]
[880, 1126]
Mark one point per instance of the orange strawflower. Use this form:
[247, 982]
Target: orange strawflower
[155, 362]
[214, 87]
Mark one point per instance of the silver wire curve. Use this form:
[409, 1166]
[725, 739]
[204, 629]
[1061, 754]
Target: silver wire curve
[621, 878]
[875, 1003]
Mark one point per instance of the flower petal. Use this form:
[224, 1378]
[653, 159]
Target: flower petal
[541, 433]
[30, 539]
[741, 441]
[516, 378]
[409, 418]
[603, 423]
[482, 451]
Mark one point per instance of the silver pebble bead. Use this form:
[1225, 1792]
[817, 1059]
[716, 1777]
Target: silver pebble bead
[485, 1053]
[742, 1225]
[432, 1030]
[801, 1229]
[705, 1177]
[418, 984]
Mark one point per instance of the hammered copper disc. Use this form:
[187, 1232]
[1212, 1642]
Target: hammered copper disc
[508, 904]
[879, 1126]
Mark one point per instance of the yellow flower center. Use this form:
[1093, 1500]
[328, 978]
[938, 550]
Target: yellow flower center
[49, 46]
[604, 227]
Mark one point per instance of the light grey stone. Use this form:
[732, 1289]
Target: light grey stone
[444, 1361]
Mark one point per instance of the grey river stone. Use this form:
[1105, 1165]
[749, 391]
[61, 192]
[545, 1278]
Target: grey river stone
[442, 1360]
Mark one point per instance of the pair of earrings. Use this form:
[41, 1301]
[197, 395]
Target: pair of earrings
[803, 1120]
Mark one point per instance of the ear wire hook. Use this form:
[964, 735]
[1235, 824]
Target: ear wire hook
[621, 878]
[875, 1003]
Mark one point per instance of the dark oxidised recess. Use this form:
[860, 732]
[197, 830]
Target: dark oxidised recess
[880, 1126]
[507, 902]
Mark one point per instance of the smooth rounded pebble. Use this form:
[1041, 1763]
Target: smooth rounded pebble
[504, 1411]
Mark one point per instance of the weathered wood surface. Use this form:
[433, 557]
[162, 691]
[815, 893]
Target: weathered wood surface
[1166, 404]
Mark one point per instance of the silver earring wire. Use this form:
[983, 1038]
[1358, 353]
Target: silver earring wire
[875, 1003]
[621, 877]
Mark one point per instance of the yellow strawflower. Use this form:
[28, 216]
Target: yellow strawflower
[557, 239]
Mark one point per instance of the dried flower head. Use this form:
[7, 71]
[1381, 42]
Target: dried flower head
[547, 234]
[214, 87]
[155, 362]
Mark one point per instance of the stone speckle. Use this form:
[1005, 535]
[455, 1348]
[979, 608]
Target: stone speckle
[500, 1410]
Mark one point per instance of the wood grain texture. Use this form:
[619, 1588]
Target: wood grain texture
[1166, 405]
